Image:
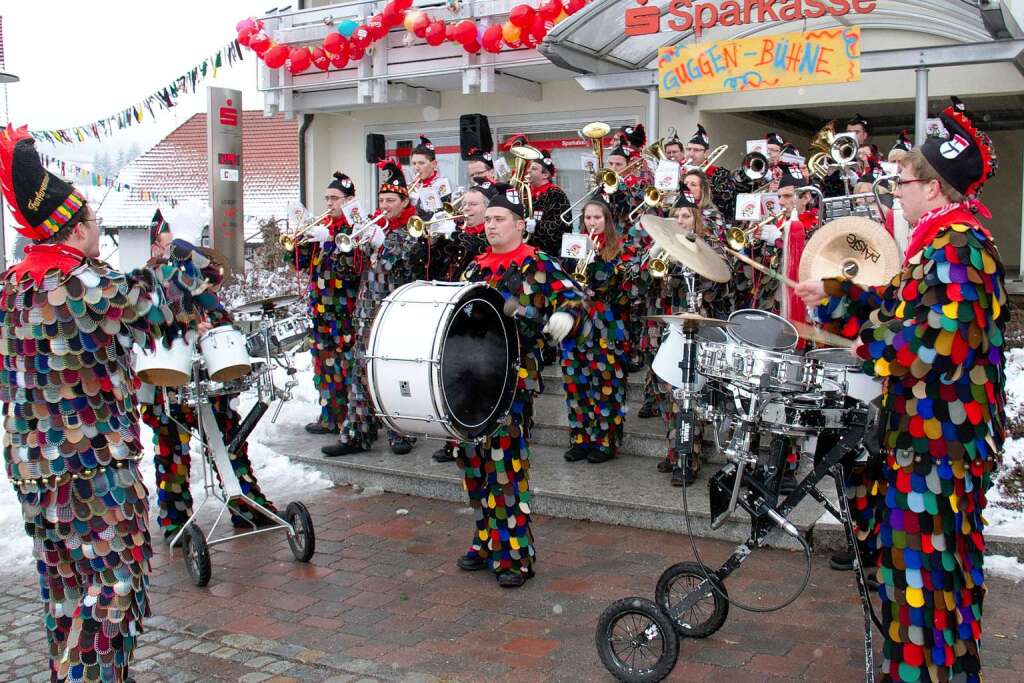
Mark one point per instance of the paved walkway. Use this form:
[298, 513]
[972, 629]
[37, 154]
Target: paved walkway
[383, 601]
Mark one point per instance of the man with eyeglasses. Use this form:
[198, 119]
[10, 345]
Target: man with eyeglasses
[934, 336]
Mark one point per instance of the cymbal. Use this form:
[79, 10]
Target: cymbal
[271, 303]
[820, 336]
[857, 248]
[686, 248]
[700, 320]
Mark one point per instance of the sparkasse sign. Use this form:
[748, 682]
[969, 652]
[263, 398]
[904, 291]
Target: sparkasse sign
[687, 15]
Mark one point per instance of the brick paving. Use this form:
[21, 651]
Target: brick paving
[383, 601]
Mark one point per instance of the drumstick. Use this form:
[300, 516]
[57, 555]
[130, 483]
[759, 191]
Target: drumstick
[811, 333]
[764, 269]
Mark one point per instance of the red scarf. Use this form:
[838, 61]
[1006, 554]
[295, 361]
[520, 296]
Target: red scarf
[400, 222]
[474, 229]
[429, 181]
[42, 258]
[795, 247]
[497, 262]
[541, 189]
[929, 225]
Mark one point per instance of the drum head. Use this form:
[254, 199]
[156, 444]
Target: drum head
[835, 357]
[712, 334]
[762, 330]
[479, 362]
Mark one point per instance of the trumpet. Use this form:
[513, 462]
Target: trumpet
[290, 240]
[417, 227]
[580, 274]
[653, 197]
[739, 238]
[346, 242]
[657, 262]
[452, 207]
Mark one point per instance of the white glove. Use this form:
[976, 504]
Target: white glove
[376, 236]
[770, 233]
[319, 233]
[559, 325]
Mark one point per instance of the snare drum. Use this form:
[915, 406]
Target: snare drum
[285, 335]
[443, 360]
[165, 367]
[745, 366]
[762, 330]
[223, 350]
[670, 354]
[840, 366]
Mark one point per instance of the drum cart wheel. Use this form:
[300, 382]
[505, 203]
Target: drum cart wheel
[301, 539]
[636, 641]
[711, 610]
[197, 555]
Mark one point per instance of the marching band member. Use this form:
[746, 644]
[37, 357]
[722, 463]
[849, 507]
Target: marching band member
[480, 167]
[860, 127]
[423, 161]
[549, 203]
[935, 336]
[629, 192]
[675, 150]
[496, 472]
[595, 363]
[72, 444]
[172, 427]
[396, 258]
[904, 143]
[723, 190]
[333, 286]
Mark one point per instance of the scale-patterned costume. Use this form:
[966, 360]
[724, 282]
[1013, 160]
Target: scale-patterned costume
[595, 363]
[935, 336]
[549, 203]
[496, 472]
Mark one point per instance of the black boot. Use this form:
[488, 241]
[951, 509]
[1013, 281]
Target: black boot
[317, 428]
[340, 449]
[598, 455]
[445, 453]
[471, 563]
[576, 453]
[401, 445]
[648, 410]
[512, 579]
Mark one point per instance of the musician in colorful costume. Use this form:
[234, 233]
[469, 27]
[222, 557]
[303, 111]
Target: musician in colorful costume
[71, 443]
[546, 302]
[935, 337]
[334, 278]
[395, 258]
[595, 363]
[549, 203]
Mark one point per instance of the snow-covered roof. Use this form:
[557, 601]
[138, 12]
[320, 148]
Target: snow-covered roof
[176, 167]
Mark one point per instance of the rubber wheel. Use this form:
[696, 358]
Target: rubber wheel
[303, 541]
[707, 615]
[636, 641]
[197, 555]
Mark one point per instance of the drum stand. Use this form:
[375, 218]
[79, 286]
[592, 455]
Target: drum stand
[220, 482]
[636, 628]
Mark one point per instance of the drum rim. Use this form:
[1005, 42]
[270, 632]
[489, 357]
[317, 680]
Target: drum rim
[730, 331]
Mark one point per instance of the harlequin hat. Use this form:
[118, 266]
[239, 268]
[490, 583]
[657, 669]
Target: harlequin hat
[636, 136]
[775, 139]
[342, 183]
[685, 200]
[394, 178]
[426, 148]
[903, 141]
[966, 158]
[506, 196]
[483, 156]
[701, 137]
[41, 202]
[548, 164]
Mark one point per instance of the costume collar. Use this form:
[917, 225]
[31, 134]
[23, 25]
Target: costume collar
[474, 229]
[541, 189]
[42, 258]
[402, 220]
[498, 262]
[429, 181]
[932, 222]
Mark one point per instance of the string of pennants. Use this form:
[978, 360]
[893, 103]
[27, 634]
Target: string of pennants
[161, 100]
[83, 176]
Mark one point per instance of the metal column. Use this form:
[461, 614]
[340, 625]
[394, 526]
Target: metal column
[653, 111]
[921, 106]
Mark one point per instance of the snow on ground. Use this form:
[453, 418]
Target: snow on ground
[1006, 567]
[1002, 519]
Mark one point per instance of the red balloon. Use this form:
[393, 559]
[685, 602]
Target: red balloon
[245, 34]
[356, 53]
[465, 31]
[319, 58]
[298, 60]
[335, 43]
[491, 39]
[276, 56]
[420, 24]
[259, 42]
[550, 9]
[340, 61]
[574, 6]
[376, 26]
[360, 37]
[435, 33]
[392, 16]
[449, 32]
[402, 4]
[244, 24]
[539, 28]
[472, 47]
[522, 15]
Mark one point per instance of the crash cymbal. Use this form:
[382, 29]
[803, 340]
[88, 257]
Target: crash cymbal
[682, 318]
[854, 247]
[686, 248]
[820, 336]
[272, 303]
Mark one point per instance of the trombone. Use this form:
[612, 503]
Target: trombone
[346, 242]
[653, 198]
[739, 238]
[290, 240]
[417, 227]
[713, 157]
[753, 169]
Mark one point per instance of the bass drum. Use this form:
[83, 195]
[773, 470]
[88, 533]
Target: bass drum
[841, 367]
[443, 360]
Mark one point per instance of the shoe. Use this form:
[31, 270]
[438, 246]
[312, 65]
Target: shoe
[841, 562]
[599, 455]
[445, 453]
[678, 477]
[788, 483]
[317, 428]
[635, 367]
[666, 466]
[340, 449]
[511, 579]
[648, 410]
[471, 563]
[401, 446]
[576, 453]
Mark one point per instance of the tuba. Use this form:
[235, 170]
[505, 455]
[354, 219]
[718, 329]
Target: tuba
[522, 155]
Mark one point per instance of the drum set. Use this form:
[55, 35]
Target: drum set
[226, 362]
[744, 382]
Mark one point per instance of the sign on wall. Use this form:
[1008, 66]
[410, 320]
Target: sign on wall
[744, 64]
[224, 142]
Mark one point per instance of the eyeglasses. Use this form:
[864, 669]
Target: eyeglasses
[901, 182]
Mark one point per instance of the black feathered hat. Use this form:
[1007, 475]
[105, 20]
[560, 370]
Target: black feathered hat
[394, 178]
[507, 196]
[965, 159]
[343, 184]
[701, 137]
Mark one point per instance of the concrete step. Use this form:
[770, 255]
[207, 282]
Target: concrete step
[627, 491]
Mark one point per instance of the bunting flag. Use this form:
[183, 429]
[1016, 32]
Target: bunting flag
[83, 176]
[162, 99]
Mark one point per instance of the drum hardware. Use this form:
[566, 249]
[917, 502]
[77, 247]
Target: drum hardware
[263, 307]
[852, 247]
[686, 248]
[291, 240]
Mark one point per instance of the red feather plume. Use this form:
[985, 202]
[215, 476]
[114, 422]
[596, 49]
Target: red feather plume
[9, 138]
